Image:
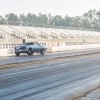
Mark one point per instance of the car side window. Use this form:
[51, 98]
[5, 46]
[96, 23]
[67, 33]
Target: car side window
[29, 43]
[36, 44]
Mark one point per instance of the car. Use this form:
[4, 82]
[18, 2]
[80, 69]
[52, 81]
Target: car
[30, 48]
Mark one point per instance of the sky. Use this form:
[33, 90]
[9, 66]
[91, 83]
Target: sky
[71, 8]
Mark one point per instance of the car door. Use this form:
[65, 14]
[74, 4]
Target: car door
[37, 47]
[31, 45]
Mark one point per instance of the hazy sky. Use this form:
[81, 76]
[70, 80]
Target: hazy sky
[55, 7]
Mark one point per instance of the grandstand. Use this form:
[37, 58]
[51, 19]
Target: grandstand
[47, 35]
[27, 32]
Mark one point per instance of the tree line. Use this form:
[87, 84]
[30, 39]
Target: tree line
[89, 20]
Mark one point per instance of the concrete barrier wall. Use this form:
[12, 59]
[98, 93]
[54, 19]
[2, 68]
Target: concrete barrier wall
[74, 47]
[7, 52]
[10, 51]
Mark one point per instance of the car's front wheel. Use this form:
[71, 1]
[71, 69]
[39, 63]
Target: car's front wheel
[29, 52]
[42, 52]
[17, 53]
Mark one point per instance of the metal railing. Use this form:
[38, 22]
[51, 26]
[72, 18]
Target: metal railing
[7, 46]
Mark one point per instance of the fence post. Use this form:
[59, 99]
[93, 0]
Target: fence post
[23, 40]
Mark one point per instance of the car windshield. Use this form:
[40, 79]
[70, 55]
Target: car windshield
[28, 43]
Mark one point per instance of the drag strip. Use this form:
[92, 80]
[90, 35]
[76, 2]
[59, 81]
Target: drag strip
[63, 79]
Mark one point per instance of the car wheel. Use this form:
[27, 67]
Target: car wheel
[42, 52]
[30, 52]
[17, 53]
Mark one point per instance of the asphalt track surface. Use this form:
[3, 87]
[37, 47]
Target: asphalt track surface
[64, 79]
[25, 58]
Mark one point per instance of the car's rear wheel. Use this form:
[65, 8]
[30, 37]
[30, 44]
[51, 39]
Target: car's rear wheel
[17, 53]
[42, 52]
[30, 52]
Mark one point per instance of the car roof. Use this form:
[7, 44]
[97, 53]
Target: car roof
[31, 42]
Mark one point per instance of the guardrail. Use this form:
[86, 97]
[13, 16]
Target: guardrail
[7, 46]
